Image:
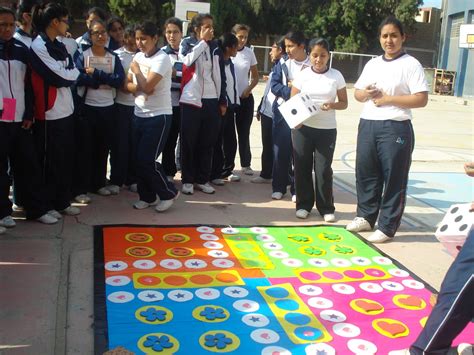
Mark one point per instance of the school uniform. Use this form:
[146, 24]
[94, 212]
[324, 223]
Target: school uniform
[96, 123]
[385, 141]
[151, 126]
[23, 36]
[85, 41]
[314, 143]
[53, 74]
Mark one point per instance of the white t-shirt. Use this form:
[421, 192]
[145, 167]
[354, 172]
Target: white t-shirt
[294, 67]
[321, 88]
[401, 76]
[126, 58]
[159, 102]
[104, 95]
[244, 59]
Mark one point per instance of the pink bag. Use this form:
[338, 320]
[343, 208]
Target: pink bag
[9, 109]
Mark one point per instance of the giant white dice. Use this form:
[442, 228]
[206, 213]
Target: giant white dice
[455, 227]
[298, 109]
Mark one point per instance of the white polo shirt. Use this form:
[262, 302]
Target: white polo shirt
[244, 59]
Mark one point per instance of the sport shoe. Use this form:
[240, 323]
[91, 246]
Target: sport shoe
[247, 170]
[71, 211]
[133, 188]
[113, 189]
[7, 222]
[293, 198]
[47, 219]
[277, 196]
[260, 180]
[206, 188]
[303, 214]
[55, 214]
[2, 230]
[378, 237]
[187, 189]
[218, 182]
[141, 205]
[103, 191]
[166, 204]
[465, 349]
[233, 178]
[329, 217]
[359, 224]
[82, 198]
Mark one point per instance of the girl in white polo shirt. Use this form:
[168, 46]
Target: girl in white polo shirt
[315, 140]
[390, 85]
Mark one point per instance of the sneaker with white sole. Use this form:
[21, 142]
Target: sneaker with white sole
[260, 180]
[114, 189]
[247, 170]
[55, 214]
[82, 198]
[133, 187]
[141, 205]
[359, 224]
[7, 222]
[277, 196]
[2, 230]
[378, 237]
[293, 198]
[206, 188]
[465, 349]
[234, 178]
[164, 205]
[303, 214]
[103, 191]
[47, 219]
[329, 217]
[71, 211]
[218, 182]
[187, 189]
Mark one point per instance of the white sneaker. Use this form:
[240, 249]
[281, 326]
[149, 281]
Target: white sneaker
[187, 189]
[166, 204]
[247, 170]
[378, 237]
[206, 188]
[465, 349]
[133, 188]
[218, 182]
[233, 178]
[103, 191]
[293, 198]
[260, 180]
[329, 217]
[2, 230]
[359, 224]
[141, 205]
[18, 208]
[55, 214]
[303, 214]
[113, 189]
[7, 222]
[82, 198]
[277, 196]
[71, 211]
[47, 219]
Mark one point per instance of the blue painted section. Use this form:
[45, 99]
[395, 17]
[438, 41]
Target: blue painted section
[441, 190]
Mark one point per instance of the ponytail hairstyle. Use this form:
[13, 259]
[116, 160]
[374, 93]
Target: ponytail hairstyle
[280, 43]
[24, 6]
[227, 40]
[44, 14]
[318, 42]
[296, 37]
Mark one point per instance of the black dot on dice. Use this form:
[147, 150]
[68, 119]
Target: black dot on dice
[294, 112]
[443, 228]
[458, 218]
[454, 210]
[463, 228]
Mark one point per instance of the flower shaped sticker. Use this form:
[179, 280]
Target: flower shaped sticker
[218, 340]
[211, 313]
[153, 314]
[157, 343]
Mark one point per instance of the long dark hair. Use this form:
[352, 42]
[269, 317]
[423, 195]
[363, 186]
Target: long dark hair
[227, 40]
[391, 20]
[45, 13]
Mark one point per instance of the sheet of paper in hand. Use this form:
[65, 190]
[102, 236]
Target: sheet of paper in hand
[100, 63]
[298, 109]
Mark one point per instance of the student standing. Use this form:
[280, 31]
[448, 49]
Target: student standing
[390, 85]
[53, 73]
[115, 30]
[150, 81]
[24, 29]
[314, 141]
[203, 101]
[245, 64]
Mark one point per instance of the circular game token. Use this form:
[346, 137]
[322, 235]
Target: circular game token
[310, 290]
[150, 296]
[339, 262]
[171, 264]
[291, 262]
[208, 236]
[287, 305]
[354, 274]
[258, 230]
[310, 275]
[320, 302]
[265, 238]
[180, 252]
[332, 315]
[117, 280]
[333, 275]
[223, 263]
[139, 237]
[210, 313]
[414, 284]
[392, 286]
[115, 265]
[361, 261]
[195, 264]
[298, 319]
[180, 295]
[144, 264]
[382, 260]
[176, 238]
[318, 262]
[398, 273]
[140, 252]
[275, 350]
[373, 272]
[255, 320]
[120, 297]
[236, 292]
[320, 348]
[279, 254]
[343, 289]
[148, 280]
[264, 336]
[205, 229]
[207, 293]
[362, 347]
[277, 292]
[154, 315]
[219, 341]
[213, 245]
[272, 246]
[371, 287]
[164, 344]
[229, 230]
[247, 306]
[346, 330]
[201, 279]
[218, 254]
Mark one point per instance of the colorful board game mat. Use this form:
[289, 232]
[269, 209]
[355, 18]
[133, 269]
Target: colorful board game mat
[252, 290]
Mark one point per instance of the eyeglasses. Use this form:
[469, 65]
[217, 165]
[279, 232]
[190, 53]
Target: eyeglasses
[99, 33]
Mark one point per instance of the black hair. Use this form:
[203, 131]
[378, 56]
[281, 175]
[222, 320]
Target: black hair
[391, 20]
[45, 13]
[99, 12]
[6, 10]
[198, 20]
[227, 40]
[240, 27]
[24, 7]
[318, 42]
[280, 43]
[174, 21]
[129, 31]
[112, 20]
[148, 28]
[296, 37]
[95, 22]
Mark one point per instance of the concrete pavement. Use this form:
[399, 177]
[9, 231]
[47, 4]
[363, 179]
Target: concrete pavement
[46, 272]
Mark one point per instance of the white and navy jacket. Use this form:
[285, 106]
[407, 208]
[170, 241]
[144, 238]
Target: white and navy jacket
[279, 87]
[16, 83]
[233, 99]
[192, 83]
[178, 66]
[53, 74]
[23, 37]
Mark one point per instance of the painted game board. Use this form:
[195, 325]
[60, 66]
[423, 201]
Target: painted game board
[252, 290]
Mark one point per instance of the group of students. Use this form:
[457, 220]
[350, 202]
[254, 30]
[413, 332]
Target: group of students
[115, 91]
